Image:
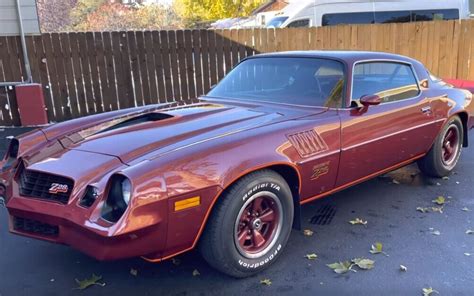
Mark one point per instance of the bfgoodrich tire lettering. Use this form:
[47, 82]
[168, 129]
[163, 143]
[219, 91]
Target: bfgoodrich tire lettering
[250, 225]
[446, 151]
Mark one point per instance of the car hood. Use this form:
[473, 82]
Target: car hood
[166, 129]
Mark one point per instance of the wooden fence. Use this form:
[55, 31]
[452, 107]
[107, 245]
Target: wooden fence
[93, 72]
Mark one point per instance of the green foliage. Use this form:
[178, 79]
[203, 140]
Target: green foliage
[209, 10]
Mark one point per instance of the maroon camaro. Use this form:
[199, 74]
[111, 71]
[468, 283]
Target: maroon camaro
[228, 172]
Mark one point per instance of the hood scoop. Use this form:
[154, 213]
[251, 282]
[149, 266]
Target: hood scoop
[149, 117]
[112, 125]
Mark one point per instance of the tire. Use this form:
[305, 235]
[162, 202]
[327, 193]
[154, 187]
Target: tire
[445, 152]
[226, 243]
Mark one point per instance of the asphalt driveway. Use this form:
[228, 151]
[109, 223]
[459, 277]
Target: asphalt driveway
[30, 267]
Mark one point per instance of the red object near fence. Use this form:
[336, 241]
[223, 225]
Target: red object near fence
[31, 104]
[464, 84]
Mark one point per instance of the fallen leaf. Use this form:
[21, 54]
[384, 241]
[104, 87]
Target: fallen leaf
[196, 272]
[84, 284]
[429, 291]
[435, 232]
[308, 232]
[465, 209]
[423, 210]
[341, 267]
[440, 200]
[266, 282]
[176, 261]
[403, 268]
[377, 248]
[363, 263]
[469, 231]
[437, 209]
[358, 221]
[133, 272]
[311, 256]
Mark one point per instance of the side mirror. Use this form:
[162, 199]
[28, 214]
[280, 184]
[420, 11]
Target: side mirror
[370, 100]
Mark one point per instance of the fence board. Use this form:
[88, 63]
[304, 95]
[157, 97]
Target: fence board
[157, 51]
[165, 54]
[79, 81]
[205, 60]
[173, 52]
[142, 64]
[110, 95]
[151, 67]
[190, 66]
[220, 54]
[72, 110]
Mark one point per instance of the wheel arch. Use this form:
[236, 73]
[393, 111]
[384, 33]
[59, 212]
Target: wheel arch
[287, 171]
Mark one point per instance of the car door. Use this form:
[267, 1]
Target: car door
[399, 130]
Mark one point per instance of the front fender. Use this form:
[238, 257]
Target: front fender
[205, 171]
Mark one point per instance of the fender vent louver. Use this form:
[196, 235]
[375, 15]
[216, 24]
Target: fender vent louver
[308, 143]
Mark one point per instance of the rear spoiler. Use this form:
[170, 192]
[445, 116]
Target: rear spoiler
[464, 84]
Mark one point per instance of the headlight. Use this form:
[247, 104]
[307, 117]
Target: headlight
[118, 198]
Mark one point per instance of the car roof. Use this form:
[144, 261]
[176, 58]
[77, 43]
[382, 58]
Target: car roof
[349, 57]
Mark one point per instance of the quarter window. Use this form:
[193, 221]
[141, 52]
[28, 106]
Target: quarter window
[390, 80]
[299, 24]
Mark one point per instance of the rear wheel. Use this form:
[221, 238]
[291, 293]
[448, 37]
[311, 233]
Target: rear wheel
[250, 225]
[446, 151]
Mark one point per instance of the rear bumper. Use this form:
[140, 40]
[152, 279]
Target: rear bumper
[26, 218]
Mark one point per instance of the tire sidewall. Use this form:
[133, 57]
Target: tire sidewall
[240, 196]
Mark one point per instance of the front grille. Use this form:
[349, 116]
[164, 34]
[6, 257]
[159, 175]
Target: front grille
[45, 186]
[35, 227]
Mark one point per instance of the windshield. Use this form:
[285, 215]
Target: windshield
[299, 81]
[277, 22]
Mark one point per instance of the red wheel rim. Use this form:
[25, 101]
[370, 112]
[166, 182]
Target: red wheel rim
[450, 145]
[258, 225]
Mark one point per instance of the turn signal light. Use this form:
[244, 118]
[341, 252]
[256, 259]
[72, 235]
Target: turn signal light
[187, 203]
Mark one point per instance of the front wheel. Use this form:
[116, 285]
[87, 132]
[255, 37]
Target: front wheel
[250, 225]
[446, 151]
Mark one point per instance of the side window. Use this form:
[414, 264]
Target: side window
[390, 80]
[431, 15]
[333, 19]
[385, 17]
[299, 24]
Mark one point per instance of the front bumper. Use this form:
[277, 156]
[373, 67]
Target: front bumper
[56, 223]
